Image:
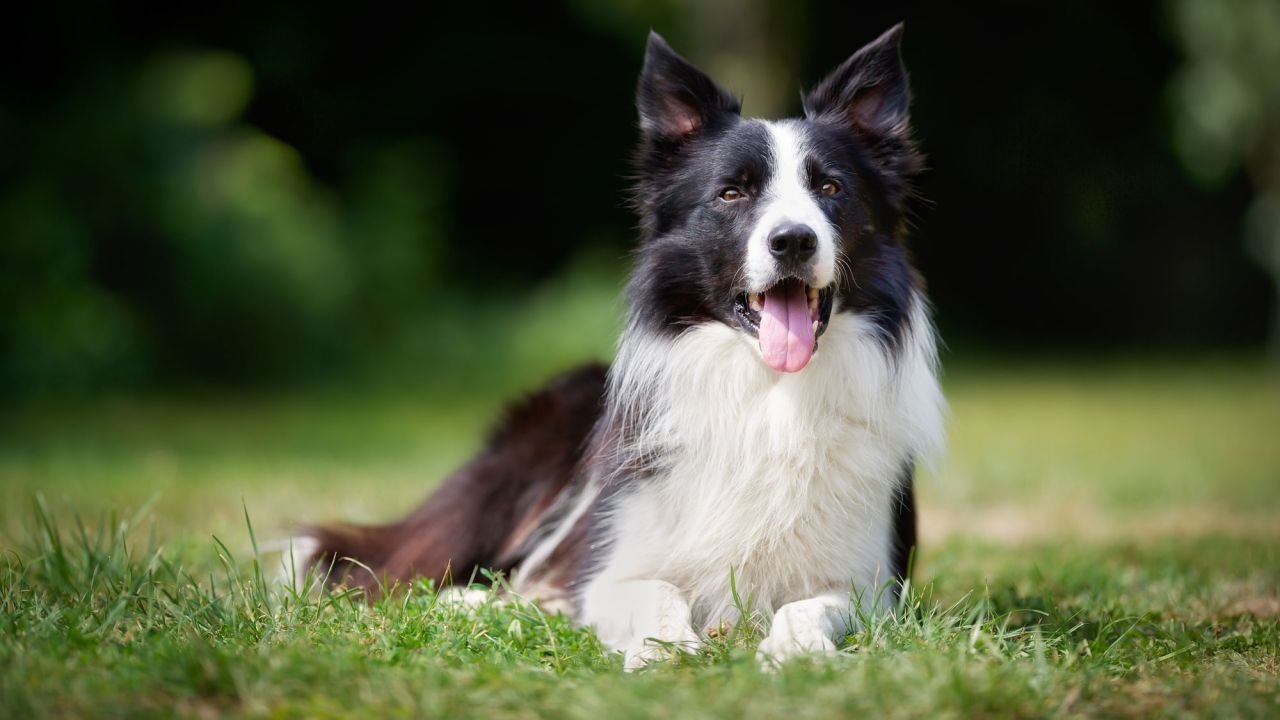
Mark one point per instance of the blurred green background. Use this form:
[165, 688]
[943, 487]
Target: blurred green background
[273, 250]
[287, 261]
[273, 195]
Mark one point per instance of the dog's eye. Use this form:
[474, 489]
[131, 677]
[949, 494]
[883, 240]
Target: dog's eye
[830, 188]
[731, 194]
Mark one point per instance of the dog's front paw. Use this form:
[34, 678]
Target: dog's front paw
[799, 628]
[660, 646]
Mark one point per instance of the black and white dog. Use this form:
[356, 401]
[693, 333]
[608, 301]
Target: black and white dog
[772, 391]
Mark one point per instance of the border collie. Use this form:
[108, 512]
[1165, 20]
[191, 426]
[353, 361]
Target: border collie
[773, 388]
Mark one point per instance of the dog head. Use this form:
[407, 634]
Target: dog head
[771, 226]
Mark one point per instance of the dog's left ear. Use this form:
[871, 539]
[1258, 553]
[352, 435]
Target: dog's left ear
[868, 92]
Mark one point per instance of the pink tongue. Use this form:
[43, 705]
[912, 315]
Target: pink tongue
[786, 331]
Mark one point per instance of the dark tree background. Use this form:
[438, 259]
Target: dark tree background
[271, 192]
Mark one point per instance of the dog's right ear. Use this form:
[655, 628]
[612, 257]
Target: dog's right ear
[677, 100]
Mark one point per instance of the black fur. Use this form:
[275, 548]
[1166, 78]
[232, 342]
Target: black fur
[691, 249]
[693, 144]
[904, 525]
[482, 513]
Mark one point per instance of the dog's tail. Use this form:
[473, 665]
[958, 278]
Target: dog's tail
[342, 554]
[483, 513]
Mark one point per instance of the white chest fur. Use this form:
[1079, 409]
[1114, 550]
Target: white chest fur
[785, 480]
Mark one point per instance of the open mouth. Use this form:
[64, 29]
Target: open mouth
[788, 318]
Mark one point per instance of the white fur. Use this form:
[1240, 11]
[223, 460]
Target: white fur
[646, 619]
[543, 548]
[808, 626]
[528, 581]
[788, 198]
[785, 480]
[465, 597]
[296, 555]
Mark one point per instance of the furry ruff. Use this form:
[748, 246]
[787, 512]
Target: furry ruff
[773, 390]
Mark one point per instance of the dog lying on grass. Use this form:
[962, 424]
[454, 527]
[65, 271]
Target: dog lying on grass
[774, 386]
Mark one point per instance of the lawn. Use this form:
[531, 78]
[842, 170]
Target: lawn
[1103, 538]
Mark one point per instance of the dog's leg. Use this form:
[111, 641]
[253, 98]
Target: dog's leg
[645, 619]
[807, 626]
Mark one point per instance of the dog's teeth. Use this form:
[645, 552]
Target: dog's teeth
[815, 327]
[754, 300]
[813, 295]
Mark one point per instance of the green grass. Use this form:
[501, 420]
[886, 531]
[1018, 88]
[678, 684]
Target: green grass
[1102, 539]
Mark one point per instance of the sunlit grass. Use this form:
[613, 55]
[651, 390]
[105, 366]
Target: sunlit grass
[1123, 437]
[95, 626]
[1102, 539]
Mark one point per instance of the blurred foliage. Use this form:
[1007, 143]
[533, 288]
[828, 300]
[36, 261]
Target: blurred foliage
[270, 195]
[227, 256]
[1228, 110]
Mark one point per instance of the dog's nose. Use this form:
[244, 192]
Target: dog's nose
[793, 243]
